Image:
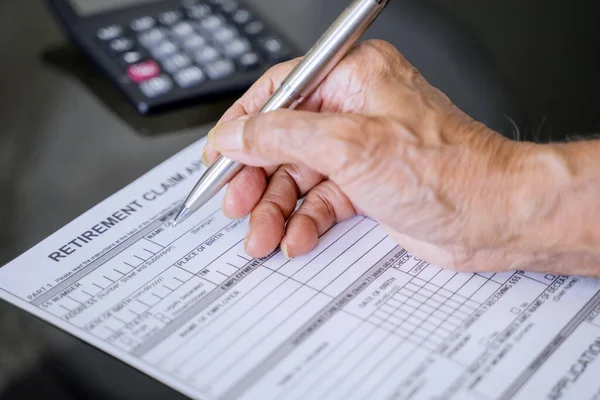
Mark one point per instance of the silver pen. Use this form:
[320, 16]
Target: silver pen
[300, 83]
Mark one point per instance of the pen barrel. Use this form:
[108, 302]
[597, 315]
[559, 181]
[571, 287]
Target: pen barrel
[323, 57]
[211, 183]
[320, 60]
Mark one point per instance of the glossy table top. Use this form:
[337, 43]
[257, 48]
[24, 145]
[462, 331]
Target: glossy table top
[68, 140]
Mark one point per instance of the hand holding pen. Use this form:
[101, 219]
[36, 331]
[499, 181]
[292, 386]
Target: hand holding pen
[298, 85]
[376, 139]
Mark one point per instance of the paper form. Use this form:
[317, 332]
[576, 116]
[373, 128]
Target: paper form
[357, 318]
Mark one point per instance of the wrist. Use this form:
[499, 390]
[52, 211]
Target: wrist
[513, 193]
[554, 199]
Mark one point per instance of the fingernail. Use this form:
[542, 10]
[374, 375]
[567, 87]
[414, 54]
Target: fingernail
[228, 136]
[246, 240]
[284, 250]
[205, 161]
[224, 208]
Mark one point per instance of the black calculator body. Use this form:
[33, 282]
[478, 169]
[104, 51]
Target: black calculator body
[164, 54]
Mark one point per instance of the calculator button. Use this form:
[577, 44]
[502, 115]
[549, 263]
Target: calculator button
[152, 37]
[142, 24]
[132, 57]
[163, 50]
[237, 47]
[220, 69]
[176, 62]
[182, 30]
[143, 71]
[224, 34]
[121, 45]
[249, 60]
[211, 23]
[193, 43]
[206, 55]
[198, 11]
[273, 47]
[242, 17]
[170, 17]
[109, 33]
[189, 76]
[156, 86]
[254, 28]
[229, 6]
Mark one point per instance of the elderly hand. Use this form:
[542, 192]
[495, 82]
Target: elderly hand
[377, 139]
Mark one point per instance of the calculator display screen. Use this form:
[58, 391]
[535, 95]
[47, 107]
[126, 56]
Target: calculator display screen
[90, 7]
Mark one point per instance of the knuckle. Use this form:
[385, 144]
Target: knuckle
[272, 206]
[285, 183]
[244, 104]
[383, 56]
[270, 78]
[338, 205]
[294, 173]
[319, 203]
[268, 212]
[381, 47]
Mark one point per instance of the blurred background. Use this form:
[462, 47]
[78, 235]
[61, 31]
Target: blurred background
[68, 139]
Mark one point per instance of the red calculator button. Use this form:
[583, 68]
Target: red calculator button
[143, 71]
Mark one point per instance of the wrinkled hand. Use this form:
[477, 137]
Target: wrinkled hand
[377, 139]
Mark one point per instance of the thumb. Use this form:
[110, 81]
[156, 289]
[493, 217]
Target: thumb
[324, 142]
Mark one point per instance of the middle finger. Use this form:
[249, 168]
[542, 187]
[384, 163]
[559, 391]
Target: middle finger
[268, 218]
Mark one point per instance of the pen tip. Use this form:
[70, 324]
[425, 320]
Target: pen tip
[181, 215]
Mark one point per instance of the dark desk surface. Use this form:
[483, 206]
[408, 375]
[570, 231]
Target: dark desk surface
[67, 141]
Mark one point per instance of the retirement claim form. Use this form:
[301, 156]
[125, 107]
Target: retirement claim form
[357, 318]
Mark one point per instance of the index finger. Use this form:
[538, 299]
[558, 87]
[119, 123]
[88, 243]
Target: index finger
[252, 101]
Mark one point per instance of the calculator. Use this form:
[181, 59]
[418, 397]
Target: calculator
[163, 54]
